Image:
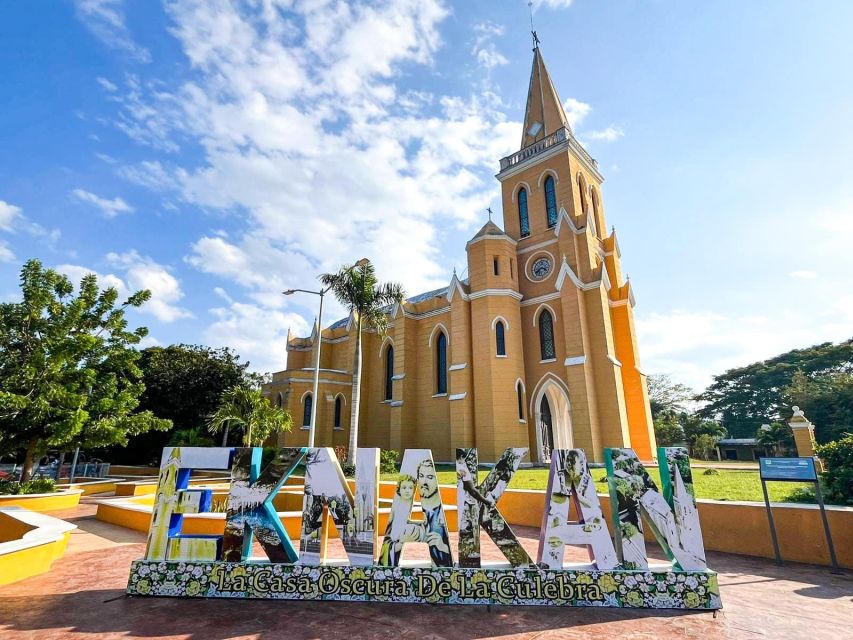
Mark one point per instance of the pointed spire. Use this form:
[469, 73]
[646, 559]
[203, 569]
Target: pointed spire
[544, 113]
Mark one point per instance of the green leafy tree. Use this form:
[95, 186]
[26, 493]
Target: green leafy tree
[704, 445]
[774, 437]
[747, 397]
[827, 401]
[190, 438]
[245, 408]
[666, 395]
[183, 383]
[695, 427]
[359, 290]
[668, 430]
[68, 370]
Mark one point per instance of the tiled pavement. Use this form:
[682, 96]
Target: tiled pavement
[83, 597]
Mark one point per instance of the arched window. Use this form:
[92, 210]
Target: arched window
[338, 412]
[551, 201]
[441, 363]
[546, 335]
[519, 390]
[389, 372]
[596, 217]
[582, 192]
[523, 220]
[279, 401]
[500, 340]
[306, 411]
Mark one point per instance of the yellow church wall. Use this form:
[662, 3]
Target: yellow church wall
[637, 408]
[461, 379]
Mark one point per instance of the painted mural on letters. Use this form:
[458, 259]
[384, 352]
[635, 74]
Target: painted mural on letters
[176, 564]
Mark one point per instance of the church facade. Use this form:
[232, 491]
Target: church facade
[536, 348]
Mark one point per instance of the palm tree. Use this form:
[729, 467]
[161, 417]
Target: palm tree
[367, 299]
[245, 407]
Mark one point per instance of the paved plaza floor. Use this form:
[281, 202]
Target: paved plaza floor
[83, 597]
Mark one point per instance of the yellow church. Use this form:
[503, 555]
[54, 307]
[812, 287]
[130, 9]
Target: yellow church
[536, 348]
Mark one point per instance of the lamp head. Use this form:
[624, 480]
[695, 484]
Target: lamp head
[289, 292]
[362, 263]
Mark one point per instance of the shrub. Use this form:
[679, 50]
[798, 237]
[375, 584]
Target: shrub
[837, 457]
[801, 494]
[710, 472]
[388, 461]
[10, 487]
[346, 467]
[39, 485]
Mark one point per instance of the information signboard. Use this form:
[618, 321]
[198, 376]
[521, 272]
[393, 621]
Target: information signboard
[792, 469]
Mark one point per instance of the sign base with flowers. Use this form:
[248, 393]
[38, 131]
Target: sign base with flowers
[618, 574]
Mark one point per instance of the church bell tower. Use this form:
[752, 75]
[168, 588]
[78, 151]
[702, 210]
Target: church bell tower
[583, 385]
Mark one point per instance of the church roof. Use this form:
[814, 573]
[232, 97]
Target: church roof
[421, 297]
[489, 229]
[544, 113]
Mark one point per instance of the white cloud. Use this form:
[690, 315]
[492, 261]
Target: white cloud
[12, 220]
[257, 334]
[552, 4]
[9, 213]
[692, 346]
[803, 274]
[151, 174]
[311, 140]
[106, 20]
[107, 85]
[576, 111]
[484, 50]
[609, 134]
[110, 208]
[138, 272]
[144, 273]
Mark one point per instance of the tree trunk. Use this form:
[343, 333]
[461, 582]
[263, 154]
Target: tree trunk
[356, 396]
[29, 460]
[225, 436]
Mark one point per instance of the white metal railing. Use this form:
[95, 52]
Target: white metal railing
[560, 135]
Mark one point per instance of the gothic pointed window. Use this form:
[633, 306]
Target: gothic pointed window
[551, 201]
[500, 339]
[306, 411]
[389, 372]
[519, 390]
[441, 363]
[523, 219]
[338, 412]
[546, 335]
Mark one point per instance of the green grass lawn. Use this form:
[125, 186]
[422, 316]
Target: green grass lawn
[726, 485]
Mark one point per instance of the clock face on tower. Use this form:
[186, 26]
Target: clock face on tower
[541, 268]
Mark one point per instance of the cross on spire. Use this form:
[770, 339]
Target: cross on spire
[489, 209]
[532, 28]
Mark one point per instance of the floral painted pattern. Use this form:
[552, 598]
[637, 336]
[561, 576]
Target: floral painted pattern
[518, 586]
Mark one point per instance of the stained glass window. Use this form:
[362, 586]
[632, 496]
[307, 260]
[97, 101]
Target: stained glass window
[546, 335]
[441, 363]
[500, 342]
[389, 372]
[523, 220]
[551, 201]
[306, 413]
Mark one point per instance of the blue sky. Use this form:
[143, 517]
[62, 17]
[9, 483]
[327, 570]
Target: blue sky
[218, 153]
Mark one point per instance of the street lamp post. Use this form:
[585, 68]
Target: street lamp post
[313, 419]
[322, 292]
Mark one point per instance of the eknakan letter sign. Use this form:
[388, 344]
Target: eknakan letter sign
[618, 575]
